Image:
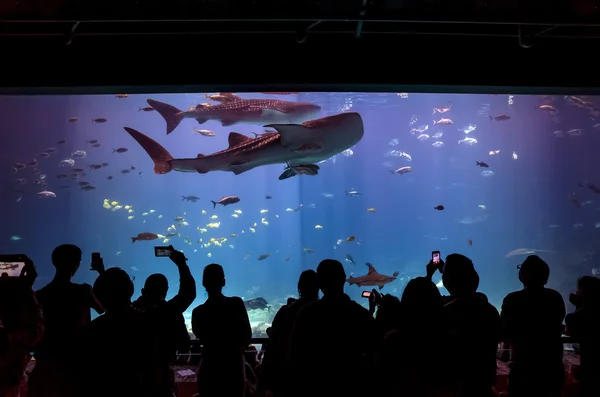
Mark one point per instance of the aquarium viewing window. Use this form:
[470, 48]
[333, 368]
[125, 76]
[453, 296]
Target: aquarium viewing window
[269, 184]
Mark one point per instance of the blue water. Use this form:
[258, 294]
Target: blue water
[525, 204]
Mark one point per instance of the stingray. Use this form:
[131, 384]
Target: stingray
[525, 251]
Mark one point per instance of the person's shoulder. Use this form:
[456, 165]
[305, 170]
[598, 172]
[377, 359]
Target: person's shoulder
[512, 296]
[235, 301]
[489, 311]
[554, 294]
[358, 308]
[308, 309]
[85, 288]
[198, 309]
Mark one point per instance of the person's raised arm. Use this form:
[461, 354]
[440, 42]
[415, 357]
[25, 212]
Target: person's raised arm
[96, 266]
[32, 328]
[187, 285]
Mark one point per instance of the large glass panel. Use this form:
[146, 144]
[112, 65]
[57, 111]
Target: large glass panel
[514, 174]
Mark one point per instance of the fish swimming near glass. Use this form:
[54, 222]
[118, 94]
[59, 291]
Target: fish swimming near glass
[256, 303]
[248, 111]
[291, 144]
[372, 278]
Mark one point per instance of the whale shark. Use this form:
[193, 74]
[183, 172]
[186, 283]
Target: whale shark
[372, 278]
[291, 144]
[249, 111]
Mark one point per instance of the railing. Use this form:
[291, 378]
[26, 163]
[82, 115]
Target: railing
[259, 341]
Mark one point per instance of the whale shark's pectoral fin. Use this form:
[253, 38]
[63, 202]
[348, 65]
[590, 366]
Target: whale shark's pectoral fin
[240, 168]
[288, 173]
[297, 137]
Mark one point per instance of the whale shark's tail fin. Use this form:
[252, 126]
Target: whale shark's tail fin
[161, 157]
[171, 114]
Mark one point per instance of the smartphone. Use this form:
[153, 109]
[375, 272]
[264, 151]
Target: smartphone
[366, 294]
[435, 257]
[162, 251]
[12, 265]
[96, 257]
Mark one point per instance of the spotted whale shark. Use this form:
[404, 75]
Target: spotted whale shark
[291, 144]
[248, 111]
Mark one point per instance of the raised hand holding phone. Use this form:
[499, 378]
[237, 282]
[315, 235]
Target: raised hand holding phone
[97, 263]
[435, 257]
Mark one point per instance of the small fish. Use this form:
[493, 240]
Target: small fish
[481, 164]
[500, 117]
[46, 193]
[73, 119]
[204, 132]
[121, 96]
[263, 257]
[443, 122]
[402, 170]
[268, 197]
[439, 208]
[147, 236]
[351, 238]
[226, 200]
[548, 109]
[120, 150]
[99, 120]
[443, 109]
[145, 109]
[353, 192]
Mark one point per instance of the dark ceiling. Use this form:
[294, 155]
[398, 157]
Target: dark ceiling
[499, 18]
[379, 41]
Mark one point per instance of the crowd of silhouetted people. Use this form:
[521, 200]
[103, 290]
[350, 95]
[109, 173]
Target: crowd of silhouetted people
[424, 344]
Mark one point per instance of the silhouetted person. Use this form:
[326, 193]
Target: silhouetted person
[389, 314]
[21, 326]
[333, 340]
[173, 332]
[119, 351]
[410, 359]
[275, 364]
[584, 326]
[222, 326]
[532, 324]
[473, 326]
[67, 308]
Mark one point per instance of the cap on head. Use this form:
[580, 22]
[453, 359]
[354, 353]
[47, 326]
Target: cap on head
[534, 272]
[332, 275]
[66, 258]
